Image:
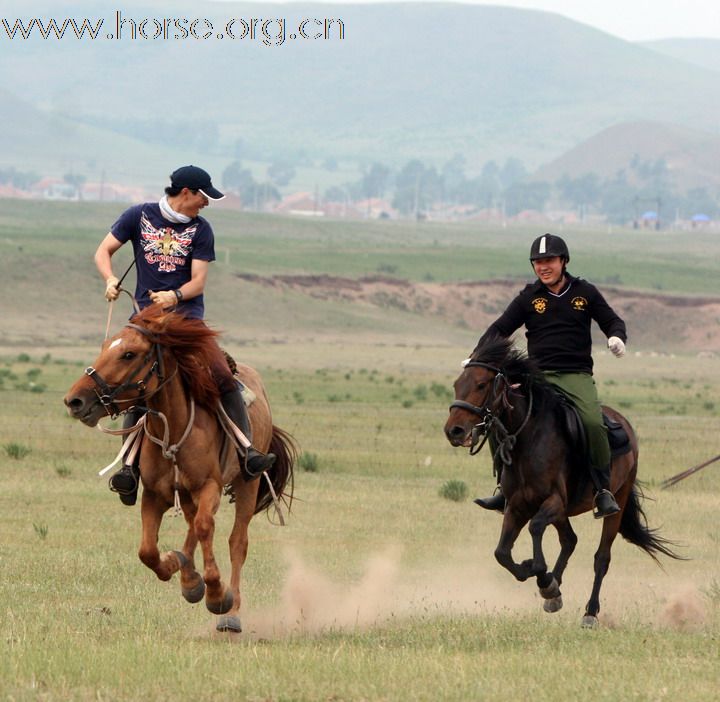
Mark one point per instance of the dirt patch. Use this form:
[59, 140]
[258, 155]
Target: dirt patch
[656, 321]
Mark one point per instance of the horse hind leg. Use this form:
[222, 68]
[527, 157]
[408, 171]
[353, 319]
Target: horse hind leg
[611, 526]
[245, 499]
[218, 597]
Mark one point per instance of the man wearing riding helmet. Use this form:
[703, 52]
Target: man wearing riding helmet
[173, 247]
[557, 311]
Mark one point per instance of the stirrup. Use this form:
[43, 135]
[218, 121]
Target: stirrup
[605, 504]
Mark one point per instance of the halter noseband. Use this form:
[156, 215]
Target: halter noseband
[108, 394]
[485, 410]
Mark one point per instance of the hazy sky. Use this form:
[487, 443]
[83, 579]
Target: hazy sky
[634, 20]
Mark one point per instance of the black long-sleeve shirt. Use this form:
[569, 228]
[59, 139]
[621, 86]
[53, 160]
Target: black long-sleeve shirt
[558, 325]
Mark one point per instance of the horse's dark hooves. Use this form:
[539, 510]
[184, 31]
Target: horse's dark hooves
[229, 623]
[553, 605]
[590, 622]
[225, 605]
[182, 558]
[194, 594]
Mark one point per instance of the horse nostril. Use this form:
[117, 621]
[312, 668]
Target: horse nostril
[74, 404]
[455, 432]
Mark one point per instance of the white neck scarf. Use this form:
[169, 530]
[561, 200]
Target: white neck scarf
[170, 214]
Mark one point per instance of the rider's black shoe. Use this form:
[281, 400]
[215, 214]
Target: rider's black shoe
[125, 483]
[258, 463]
[496, 502]
[605, 504]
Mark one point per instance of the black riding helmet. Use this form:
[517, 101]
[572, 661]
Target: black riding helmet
[547, 246]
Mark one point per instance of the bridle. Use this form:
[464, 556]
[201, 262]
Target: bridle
[107, 395]
[489, 412]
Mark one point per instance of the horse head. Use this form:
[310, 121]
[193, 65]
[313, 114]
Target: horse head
[483, 389]
[128, 370]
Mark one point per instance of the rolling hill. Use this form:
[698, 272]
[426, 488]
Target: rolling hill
[408, 80]
[691, 155]
[699, 52]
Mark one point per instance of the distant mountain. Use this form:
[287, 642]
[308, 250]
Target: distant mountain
[33, 140]
[699, 52]
[407, 81]
[691, 156]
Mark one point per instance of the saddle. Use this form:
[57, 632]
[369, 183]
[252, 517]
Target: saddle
[575, 431]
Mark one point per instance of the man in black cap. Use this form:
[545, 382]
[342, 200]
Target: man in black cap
[173, 247]
[557, 311]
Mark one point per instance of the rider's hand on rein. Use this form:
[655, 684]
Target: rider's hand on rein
[112, 288]
[165, 298]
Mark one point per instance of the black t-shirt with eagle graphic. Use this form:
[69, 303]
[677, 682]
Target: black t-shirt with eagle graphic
[558, 325]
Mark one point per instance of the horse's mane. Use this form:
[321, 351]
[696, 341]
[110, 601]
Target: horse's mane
[500, 352]
[193, 346]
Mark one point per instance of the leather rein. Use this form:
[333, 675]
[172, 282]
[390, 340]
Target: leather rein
[107, 394]
[490, 422]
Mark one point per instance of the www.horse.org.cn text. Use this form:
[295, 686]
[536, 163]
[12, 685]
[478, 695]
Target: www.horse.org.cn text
[270, 32]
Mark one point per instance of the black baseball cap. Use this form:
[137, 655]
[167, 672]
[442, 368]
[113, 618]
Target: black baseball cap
[195, 178]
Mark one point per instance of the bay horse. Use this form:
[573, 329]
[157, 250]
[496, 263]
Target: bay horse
[502, 396]
[161, 360]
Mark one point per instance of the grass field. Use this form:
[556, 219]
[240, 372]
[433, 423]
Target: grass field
[379, 588]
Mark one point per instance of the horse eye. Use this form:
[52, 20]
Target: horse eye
[481, 386]
[128, 356]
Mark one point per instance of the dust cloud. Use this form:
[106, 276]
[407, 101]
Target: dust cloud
[313, 602]
[685, 610]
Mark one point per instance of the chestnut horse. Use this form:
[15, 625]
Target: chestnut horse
[502, 396]
[161, 361]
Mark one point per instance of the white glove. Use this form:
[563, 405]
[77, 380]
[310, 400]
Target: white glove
[112, 290]
[616, 346]
[165, 298]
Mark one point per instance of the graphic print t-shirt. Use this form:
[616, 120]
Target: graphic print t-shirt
[164, 252]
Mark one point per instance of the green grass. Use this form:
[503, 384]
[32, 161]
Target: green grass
[379, 588]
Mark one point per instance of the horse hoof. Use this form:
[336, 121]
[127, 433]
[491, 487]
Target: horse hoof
[182, 558]
[229, 623]
[194, 594]
[590, 622]
[223, 606]
[551, 592]
[553, 605]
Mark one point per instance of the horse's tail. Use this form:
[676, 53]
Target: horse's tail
[634, 528]
[281, 474]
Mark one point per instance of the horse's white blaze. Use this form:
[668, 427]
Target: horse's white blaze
[115, 343]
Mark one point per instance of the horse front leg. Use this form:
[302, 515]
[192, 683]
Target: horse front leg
[511, 527]
[245, 499]
[192, 584]
[551, 511]
[218, 597]
[152, 509]
[568, 540]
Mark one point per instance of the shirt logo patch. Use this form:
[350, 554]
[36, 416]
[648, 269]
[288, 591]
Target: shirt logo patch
[579, 303]
[166, 247]
[540, 305]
